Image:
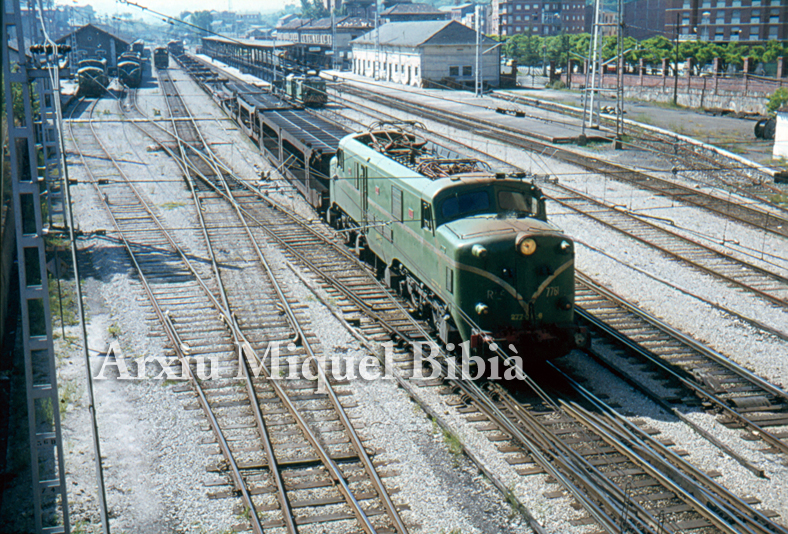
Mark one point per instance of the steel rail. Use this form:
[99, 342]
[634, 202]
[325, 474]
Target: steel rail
[318, 273]
[759, 219]
[684, 256]
[301, 335]
[636, 348]
[164, 319]
[657, 454]
[659, 137]
[273, 467]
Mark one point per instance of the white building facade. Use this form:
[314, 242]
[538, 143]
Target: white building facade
[781, 134]
[412, 53]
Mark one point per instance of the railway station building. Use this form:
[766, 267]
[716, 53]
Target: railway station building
[423, 53]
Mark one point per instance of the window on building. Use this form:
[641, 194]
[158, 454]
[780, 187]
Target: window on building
[518, 17]
[736, 3]
[756, 2]
[774, 18]
[720, 17]
[720, 3]
[518, 29]
[686, 4]
[518, 7]
[706, 3]
[719, 36]
[454, 71]
[735, 32]
[754, 34]
[415, 71]
[736, 17]
[773, 33]
[527, 8]
[755, 17]
[685, 20]
[467, 71]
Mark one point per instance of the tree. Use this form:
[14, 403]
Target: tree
[202, 19]
[778, 99]
[313, 10]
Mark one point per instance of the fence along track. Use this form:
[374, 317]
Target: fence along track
[216, 188]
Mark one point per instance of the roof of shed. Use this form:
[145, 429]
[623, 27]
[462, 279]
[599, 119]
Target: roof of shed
[398, 9]
[414, 34]
[99, 27]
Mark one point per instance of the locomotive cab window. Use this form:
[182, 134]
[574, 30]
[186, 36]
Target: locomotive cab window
[465, 204]
[517, 202]
[341, 159]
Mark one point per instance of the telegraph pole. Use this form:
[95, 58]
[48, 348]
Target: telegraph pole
[377, 42]
[676, 64]
[478, 78]
[333, 37]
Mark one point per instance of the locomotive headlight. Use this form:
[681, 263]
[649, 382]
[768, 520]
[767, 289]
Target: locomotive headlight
[479, 251]
[565, 247]
[527, 246]
[482, 309]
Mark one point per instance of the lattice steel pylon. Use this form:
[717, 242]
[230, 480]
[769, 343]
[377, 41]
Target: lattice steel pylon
[33, 171]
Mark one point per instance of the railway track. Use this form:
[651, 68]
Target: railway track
[695, 374]
[765, 284]
[711, 167]
[775, 221]
[653, 514]
[281, 443]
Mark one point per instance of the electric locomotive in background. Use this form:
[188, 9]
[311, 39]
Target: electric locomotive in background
[470, 248]
[161, 58]
[130, 69]
[92, 77]
[310, 89]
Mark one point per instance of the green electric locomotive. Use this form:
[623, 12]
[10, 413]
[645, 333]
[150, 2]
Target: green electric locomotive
[472, 249]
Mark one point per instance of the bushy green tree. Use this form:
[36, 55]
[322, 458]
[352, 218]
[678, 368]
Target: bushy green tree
[202, 19]
[778, 99]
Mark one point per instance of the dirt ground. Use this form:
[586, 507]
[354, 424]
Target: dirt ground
[735, 135]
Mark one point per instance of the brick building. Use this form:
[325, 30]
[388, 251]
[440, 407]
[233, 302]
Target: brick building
[539, 17]
[728, 20]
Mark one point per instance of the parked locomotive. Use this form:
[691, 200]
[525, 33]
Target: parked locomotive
[161, 58]
[92, 77]
[472, 250]
[175, 47]
[138, 47]
[130, 69]
[308, 89]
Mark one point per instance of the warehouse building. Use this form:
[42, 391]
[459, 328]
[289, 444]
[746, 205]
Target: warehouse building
[93, 41]
[420, 53]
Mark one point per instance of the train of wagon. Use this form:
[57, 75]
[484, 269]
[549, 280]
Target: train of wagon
[161, 57]
[92, 78]
[471, 248]
[130, 65]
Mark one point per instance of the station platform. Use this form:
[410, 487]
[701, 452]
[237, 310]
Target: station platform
[230, 72]
[542, 124]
